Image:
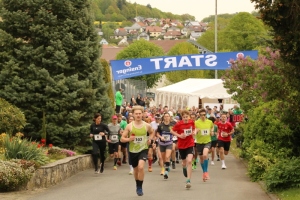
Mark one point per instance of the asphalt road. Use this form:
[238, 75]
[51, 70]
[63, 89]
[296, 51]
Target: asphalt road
[229, 184]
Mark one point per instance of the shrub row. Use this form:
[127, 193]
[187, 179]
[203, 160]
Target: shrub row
[14, 174]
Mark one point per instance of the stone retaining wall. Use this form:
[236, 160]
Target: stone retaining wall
[56, 172]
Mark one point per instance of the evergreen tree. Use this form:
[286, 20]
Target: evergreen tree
[49, 58]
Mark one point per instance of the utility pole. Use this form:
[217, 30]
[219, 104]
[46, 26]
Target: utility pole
[216, 33]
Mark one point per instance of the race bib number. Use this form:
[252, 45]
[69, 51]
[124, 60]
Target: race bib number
[188, 132]
[204, 132]
[166, 137]
[138, 139]
[114, 137]
[224, 134]
[98, 137]
[174, 138]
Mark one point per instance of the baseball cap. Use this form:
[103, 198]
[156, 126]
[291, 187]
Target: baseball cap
[114, 117]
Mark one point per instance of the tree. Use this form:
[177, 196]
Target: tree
[245, 32]
[107, 80]
[50, 64]
[207, 39]
[12, 118]
[120, 4]
[211, 18]
[242, 32]
[283, 17]
[149, 6]
[142, 49]
[183, 49]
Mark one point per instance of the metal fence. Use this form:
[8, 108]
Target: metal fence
[130, 88]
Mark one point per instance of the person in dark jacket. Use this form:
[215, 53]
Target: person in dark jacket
[98, 130]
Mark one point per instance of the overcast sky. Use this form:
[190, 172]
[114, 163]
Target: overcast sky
[199, 8]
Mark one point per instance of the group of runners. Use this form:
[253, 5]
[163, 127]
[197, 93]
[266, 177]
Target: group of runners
[140, 142]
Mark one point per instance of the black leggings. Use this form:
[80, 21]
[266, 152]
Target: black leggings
[96, 147]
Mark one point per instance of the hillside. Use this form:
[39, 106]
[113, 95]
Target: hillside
[122, 10]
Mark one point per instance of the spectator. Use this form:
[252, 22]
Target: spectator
[147, 102]
[142, 102]
[138, 99]
[119, 100]
[151, 103]
[132, 101]
[210, 113]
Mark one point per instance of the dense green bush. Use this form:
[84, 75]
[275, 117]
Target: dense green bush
[284, 174]
[12, 118]
[266, 138]
[13, 175]
[17, 148]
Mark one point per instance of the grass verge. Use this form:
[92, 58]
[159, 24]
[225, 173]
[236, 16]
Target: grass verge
[289, 194]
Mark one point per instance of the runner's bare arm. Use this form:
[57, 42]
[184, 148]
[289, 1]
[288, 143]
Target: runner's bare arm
[124, 137]
[150, 131]
[231, 132]
[175, 133]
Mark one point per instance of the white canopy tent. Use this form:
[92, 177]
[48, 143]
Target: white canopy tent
[193, 92]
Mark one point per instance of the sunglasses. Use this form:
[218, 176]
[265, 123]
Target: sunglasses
[202, 114]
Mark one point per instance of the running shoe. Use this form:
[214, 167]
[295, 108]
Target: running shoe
[212, 163]
[97, 171]
[173, 165]
[130, 172]
[177, 161]
[188, 185]
[115, 167]
[206, 175]
[224, 166]
[162, 172]
[184, 172]
[166, 175]
[149, 169]
[139, 191]
[194, 166]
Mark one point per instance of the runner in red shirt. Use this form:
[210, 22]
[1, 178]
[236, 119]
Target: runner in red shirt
[184, 130]
[225, 130]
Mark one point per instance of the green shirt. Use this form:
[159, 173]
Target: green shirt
[204, 129]
[118, 98]
[215, 136]
[140, 142]
[123, 125]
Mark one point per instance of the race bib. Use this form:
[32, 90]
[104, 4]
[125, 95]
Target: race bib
[98, 137]
[114, 137]
[166, 137]
[174, 138]
[224, 134]
[187, 132]
[204, 131]
[138, 139]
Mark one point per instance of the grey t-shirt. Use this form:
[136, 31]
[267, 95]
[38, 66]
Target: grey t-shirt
[114, 132]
